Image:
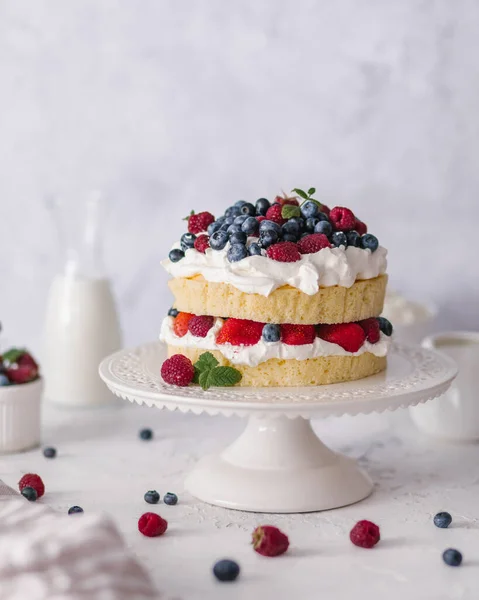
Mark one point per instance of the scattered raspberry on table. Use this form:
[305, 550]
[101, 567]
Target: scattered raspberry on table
[34, 481]
[152, 525]
[365, 534]
[269, 541]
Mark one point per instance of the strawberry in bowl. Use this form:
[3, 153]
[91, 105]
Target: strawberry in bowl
[18, 366]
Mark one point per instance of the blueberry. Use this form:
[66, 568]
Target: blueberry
[354, 239]
[292, 227]
[322, 216]
[309, 209]
[238, 238]
[229, 221]
[176, 254]
[311, 224]
[239, 203]
[248, 209]
[250, 225]
[49, 452]
[442, 520]
[146, 434]
[4, 380]
[452, 557]
[187, 241]
[369, 242]
[268, 237]
[237, 252]
[220, 220]
[234, 228]
[339, 239]
[254, 249]
[75, 510]
[240, 220]
[289, 237]
[232, 211]
[29, 493]
[170, 498]
[152, 497]
[323, 227]
[226, 570]
[262, 206]
[264, 225]
[271, 333]
[385, 326]
[212, 227]
[173, 312]
[219, 240]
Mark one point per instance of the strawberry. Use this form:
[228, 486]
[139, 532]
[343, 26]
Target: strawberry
[269, 541]
[349, 336]
[180, 326]
[360, 227]
[297, 335]
[313, 243]
[286, 200]
[20, 366]
[200, 326]
[284, 252]
[274, 214]
[240, 332]
[342, 219]
[199, 222]
[371, 329]
[202, 242]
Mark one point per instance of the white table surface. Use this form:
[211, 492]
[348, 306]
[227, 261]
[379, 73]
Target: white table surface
[103, 466]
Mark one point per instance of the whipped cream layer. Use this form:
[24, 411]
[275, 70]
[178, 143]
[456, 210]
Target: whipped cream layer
[263, 351]
[261, 275]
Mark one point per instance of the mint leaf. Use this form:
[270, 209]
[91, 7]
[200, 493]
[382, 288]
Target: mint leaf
[289, 211]
[311, 191]
[12, 355]
[203, 379]
[301, 193]
[188, 217]
[206, 362]
[224, 376]
[196, 376]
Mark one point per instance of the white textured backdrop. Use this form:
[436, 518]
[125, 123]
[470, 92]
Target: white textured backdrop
[169, 106]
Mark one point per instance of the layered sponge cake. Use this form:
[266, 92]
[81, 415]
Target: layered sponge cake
[287, 292]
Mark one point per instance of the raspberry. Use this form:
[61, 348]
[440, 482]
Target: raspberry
[200, 326]
[360, 227]
[313, 243]
[284, 200]
[178, 370]
[274, 214]
[33, 481]
[202, 242]
[198, 223]
[342, 219]
[269, 541]
[22, 369]
[297, 335]
[349, 336]
[180, 326]
[284, 252]
[365, 534]
[152, 525]
[240, 332]
[371, 329]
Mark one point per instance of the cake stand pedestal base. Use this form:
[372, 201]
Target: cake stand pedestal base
[278, 465]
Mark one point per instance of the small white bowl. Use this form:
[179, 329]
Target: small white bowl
[20, 412]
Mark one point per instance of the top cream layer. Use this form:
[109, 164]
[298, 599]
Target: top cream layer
[261, 275]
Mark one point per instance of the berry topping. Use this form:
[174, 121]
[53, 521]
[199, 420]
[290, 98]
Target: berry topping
[240, 220]
[212, 227]
[286, 200]
[271, 332]
[173, 312]
[254, 249]
[201, 243]
[178, 370]
[309, 209]
[180, 326]
[442, 520]
[365, 534]
[269, 541]
[289, 237]
[198, 223]
[339, 239]
[313, 243]
[268, 237]
[274, 214]
[34, 481]
[295, 226]
[187, 241]
[170, 498]
[261, 218]
[49, 452]
[262, 206]
[152, 525]
[385, 326]
[324, 227]
[371, 329]
[354, 239]
[360, 227]
[248, 209]
[250, 226]
[219, 239]
[369, 242]
[152, 497]
[349, 336]
[342, 218]
[200, 326]
[29, 493]
[284, 252]
[75, 510]
[19, 366]
[145, 434]
[452, 557]
[176, 254]
[267, 224]
[237, 252]
[240, 332]
[239, 237]
[297, 335]
[226, 570]
[325, 209]
[234, 228]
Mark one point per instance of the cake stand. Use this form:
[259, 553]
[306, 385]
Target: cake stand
[278, 464]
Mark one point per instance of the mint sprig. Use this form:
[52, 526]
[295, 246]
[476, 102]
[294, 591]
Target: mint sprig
[208, 373]
[288, 211]
[12, 355]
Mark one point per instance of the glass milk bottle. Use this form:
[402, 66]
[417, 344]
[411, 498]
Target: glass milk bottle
[81, 324]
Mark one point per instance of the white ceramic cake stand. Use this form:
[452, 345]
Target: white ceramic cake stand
[278, 464]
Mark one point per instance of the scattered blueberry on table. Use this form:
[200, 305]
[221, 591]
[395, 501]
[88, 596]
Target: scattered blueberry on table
[452, 557]
[170, 499]
[49, 452]
[75, 510]
[442, 520]
[146, 434]
[29, 493]
[152, 497]
[226, 570]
